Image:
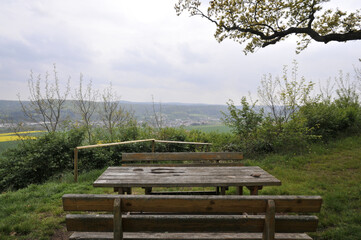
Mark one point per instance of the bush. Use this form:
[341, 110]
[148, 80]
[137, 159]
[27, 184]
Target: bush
[259, 134]
[331, 119]
[35, 161]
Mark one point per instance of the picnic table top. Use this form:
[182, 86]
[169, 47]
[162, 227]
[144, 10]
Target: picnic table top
[185, 177]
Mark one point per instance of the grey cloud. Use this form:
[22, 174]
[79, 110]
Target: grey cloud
[189, 56]
[154, 65]
[146, 63]
[44, 49]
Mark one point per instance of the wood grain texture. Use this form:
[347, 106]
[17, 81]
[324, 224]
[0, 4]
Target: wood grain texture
[187, 236]
[269, 225]
[191, 217]
[182, 156]
[117, 220]
[190, 223]
[184, 193]
[185, 177]
[191, 204]
[183, 164]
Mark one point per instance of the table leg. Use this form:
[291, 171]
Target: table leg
[119, 190]
[254, 189]
[122, 190]
[128, 190]
[147, 190]
[223, 190]
[239, 190]
[217, 190]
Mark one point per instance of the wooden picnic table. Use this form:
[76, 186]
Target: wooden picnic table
[122, 179]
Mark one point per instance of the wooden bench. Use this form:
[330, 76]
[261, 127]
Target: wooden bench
[174, 159]
[191, 217]
[189, 159]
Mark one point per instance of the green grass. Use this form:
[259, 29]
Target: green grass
[6, 145]
[36, 211]
[332, 171]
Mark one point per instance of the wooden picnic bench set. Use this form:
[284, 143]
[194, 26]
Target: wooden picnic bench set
[191, 215]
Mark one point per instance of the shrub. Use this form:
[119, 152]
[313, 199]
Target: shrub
[35, 161]
[331, 119]
[259, 134]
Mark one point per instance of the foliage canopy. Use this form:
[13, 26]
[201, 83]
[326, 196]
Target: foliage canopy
[261, 23]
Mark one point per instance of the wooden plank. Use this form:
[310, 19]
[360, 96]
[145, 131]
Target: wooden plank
[179, 175]
[190, 223]
[184, 193]
[191, 204]
[136, 170]
[181, 156]
[239, 190]
[187, 236]
[185, 177]
[250, 172]
[204, 164]
[171, 182]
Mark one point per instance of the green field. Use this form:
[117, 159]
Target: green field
[332, 171]
[11, 139]
[7, 145]
[210, 128]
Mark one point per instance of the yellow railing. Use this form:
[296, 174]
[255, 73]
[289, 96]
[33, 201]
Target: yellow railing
[127, 142]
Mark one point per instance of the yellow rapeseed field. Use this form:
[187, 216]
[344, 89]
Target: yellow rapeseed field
[8, 137]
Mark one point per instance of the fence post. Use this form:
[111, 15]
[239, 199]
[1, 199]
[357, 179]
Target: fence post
[75, 164]
[153, 146]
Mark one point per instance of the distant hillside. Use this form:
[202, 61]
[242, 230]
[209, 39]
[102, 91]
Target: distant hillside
[174, 114]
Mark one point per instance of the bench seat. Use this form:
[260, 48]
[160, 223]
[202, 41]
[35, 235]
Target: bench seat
[187, 236]
[173, 159]
[190, 217]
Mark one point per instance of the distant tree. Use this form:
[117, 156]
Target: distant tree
[358, 73]
[45, 106]
[86, 104]
[346, 91]
[156, 118]
[284, 96]
[111, 112]
[261, 23]
[243, 120]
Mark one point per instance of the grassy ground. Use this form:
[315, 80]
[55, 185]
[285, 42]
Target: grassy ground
[331, 171]
[335, 174]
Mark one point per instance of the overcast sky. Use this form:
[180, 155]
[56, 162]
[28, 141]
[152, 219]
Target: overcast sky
[143, 48]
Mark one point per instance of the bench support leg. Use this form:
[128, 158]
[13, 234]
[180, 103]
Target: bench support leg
[239, 190]
[123, 190]
[117, 221]
[147, 190]
[269, 225]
